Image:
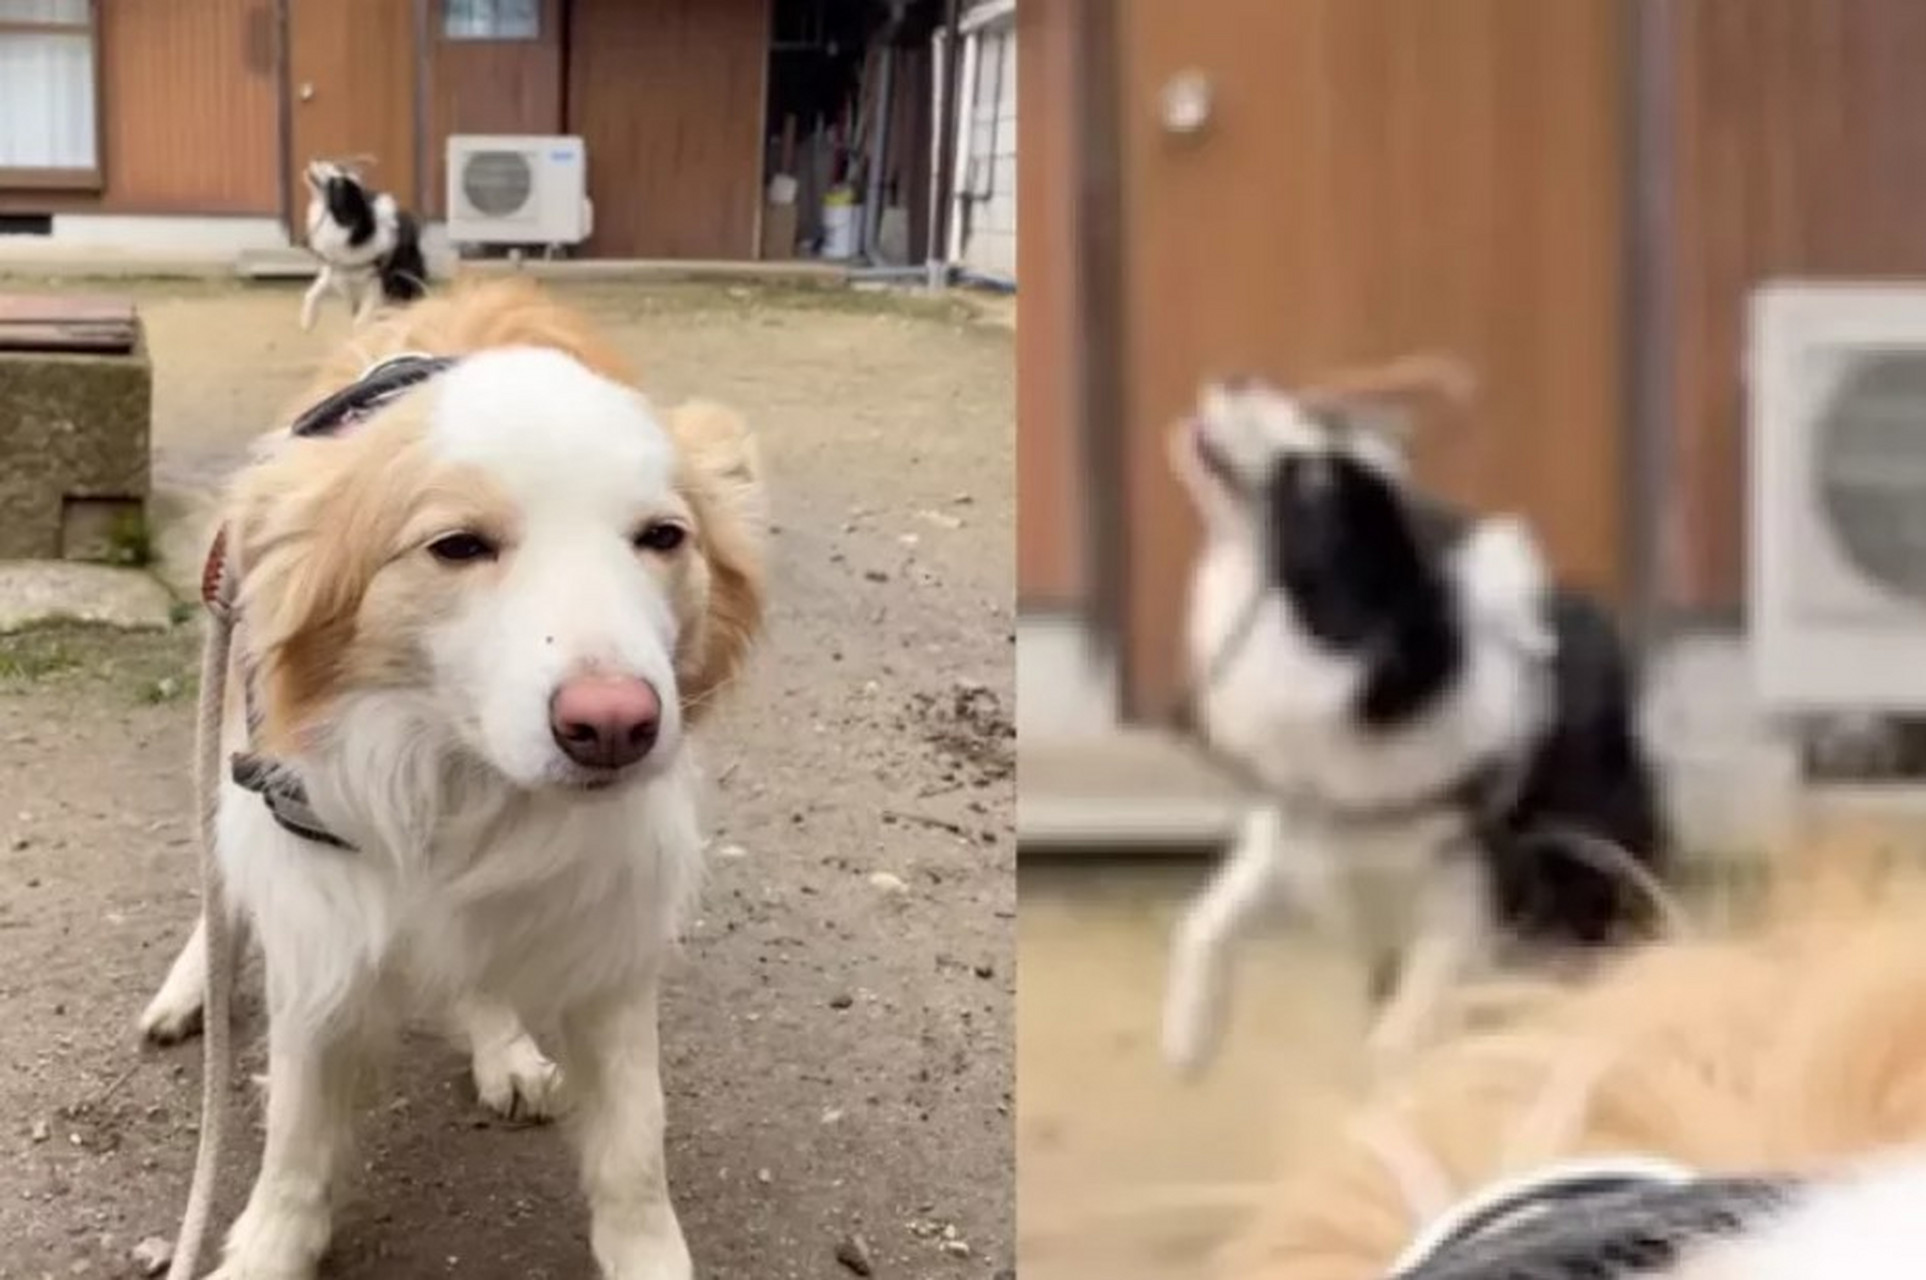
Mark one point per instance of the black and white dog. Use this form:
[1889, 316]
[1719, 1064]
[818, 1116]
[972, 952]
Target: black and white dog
[1405, 681]
[370, 247]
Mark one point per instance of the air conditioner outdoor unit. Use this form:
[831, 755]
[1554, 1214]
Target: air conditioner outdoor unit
[1837, 399]
[518, 190]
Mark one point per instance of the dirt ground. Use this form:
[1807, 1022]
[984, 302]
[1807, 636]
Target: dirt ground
[1124, 1171]
[838, 1037]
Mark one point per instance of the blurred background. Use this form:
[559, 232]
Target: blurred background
[1683, 245]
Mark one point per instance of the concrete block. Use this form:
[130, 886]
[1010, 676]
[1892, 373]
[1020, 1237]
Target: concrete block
[74, 451]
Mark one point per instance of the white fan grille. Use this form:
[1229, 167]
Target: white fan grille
[1871, 466]
[497, 184]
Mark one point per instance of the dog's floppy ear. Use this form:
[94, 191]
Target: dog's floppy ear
[722, 482]
[1383, 398]
[309, 527]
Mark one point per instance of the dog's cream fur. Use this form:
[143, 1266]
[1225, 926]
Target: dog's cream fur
[492, 877]
[1796, 1044]
[1270, 697]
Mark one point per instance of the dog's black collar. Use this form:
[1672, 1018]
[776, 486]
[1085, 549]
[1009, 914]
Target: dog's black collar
[359, 399]
[286, 799]
[1599, 1220]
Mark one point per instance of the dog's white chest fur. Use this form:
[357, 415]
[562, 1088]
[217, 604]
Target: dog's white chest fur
[521, 898]
[329, 239]
[1870, 1227]
[1273, 698]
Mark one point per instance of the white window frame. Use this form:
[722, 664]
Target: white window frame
[491, 21]
[76, 178]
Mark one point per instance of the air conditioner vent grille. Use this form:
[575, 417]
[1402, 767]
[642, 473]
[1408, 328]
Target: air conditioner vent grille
[1870, 466]
[497, 184]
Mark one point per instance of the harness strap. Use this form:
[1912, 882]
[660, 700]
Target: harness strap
[379, 383]
[1589, 1220]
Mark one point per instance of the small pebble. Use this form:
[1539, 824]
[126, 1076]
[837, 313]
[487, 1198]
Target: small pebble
[854, 1253]
[153, 1255]
[888, 882]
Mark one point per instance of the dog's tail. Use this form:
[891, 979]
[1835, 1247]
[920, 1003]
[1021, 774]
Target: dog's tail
[404, 272]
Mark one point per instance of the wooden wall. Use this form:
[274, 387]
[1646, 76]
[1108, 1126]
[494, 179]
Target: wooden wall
[190, 111]
[1798, 148]
[1052, 552]
[490, 86]
[668, 96]
[1378, 176]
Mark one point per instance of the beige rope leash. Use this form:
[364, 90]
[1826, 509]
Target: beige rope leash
[217, 592]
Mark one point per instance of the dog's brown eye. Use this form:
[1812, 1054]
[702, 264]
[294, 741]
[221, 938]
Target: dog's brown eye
[664, 535]
[461, 548]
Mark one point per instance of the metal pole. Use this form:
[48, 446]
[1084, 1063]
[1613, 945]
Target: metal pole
[946, 145]
[879, 140]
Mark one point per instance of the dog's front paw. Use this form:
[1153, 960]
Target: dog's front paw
[1186, 1041]
[516, 1082]
[281, 1235]
[171, 1017]
[1194, 1001]
[660, 1255]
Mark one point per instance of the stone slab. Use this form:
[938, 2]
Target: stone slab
[37, 592]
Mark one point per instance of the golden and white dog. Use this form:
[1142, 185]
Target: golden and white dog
[478, 627]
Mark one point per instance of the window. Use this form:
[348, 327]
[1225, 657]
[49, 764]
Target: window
[48, 130]
[489, 19]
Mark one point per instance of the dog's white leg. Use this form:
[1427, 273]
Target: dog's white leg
[366, 299]
[1269, 868]
[512, 1076]
[311, 301]
[1453, 941]
[611, 1059]
[175, 1011]
[316, 1069]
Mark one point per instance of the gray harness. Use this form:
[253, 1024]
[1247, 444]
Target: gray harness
[278, 785]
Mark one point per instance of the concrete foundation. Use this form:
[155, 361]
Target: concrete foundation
[74, 454]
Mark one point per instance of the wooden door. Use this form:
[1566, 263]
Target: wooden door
[668, 96]
[351, 87]
[1376, 177]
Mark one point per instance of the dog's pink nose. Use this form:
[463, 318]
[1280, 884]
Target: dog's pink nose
[605, 722]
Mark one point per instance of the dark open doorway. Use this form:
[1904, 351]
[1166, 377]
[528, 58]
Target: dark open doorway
[849, 130]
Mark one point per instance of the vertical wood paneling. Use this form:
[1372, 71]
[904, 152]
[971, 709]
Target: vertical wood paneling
[1798, 150]
[490, 86]
[190, 106]
[1051, 552]
[668, 96]
[1379, 176]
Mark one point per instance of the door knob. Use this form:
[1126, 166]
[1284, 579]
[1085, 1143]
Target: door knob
[1185, 103]
[307, 91]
